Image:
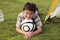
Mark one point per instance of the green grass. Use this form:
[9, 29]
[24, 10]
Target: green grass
[11, 9]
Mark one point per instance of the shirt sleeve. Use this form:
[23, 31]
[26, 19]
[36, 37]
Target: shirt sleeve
[37, 20]
[19, 20]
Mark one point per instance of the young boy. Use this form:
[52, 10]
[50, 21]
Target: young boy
[29, 12]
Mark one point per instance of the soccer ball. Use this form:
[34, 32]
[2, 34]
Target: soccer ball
[58, 15]
[27, 25]
[58, 12]
[1, 16]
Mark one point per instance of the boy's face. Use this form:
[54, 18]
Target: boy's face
[28, 14]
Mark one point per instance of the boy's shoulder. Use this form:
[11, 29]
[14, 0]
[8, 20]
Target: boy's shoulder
[20, 14]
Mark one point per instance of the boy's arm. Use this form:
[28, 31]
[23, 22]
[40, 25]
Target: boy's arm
[39, 30]
[20, 31]
[19, 20]
[38, 24]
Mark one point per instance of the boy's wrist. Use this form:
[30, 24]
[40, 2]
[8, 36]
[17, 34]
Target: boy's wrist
[24, 33]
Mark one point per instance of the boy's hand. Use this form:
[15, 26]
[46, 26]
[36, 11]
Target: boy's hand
[28, 35]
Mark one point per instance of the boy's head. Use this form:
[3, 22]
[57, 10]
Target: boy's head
[29, 10]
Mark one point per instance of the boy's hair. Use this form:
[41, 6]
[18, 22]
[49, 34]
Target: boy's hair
[30, 7]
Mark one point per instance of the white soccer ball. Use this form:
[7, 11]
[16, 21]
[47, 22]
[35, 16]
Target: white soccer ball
[1, 16]
[27, 25]
[58, 12]
[58, 15]
[55, 13]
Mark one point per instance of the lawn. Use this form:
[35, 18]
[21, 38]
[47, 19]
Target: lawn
[11, 9]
